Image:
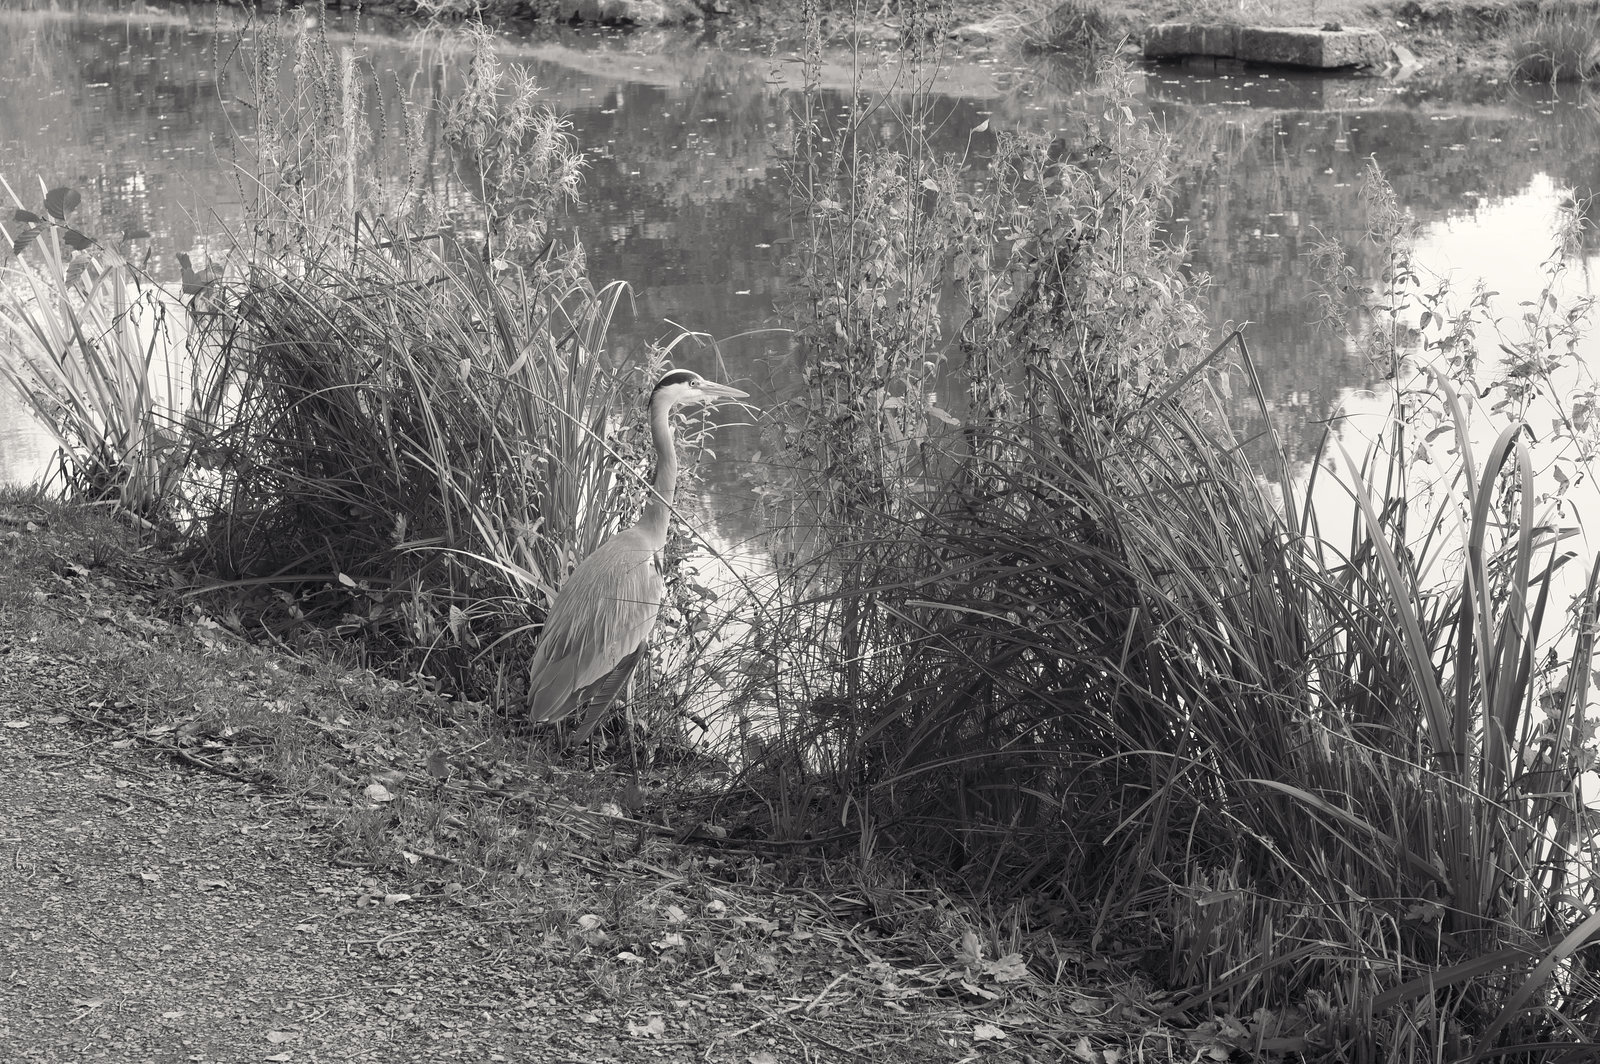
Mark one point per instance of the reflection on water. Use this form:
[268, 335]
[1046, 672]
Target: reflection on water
[1511, 240]
[685, 200]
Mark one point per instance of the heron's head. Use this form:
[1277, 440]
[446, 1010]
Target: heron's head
[683, 386]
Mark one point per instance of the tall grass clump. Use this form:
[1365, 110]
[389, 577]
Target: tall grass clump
[422, 439]
[1556, 42]
[1079, 27]
[1037, 621]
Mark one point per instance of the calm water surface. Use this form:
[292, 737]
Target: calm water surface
[684, 198]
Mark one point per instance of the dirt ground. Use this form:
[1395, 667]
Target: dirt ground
[154, 913]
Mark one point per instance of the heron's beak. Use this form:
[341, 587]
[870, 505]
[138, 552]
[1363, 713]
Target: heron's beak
[713, 390]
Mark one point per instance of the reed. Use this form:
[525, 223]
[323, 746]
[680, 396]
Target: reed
[1111, 670]
[102, 355]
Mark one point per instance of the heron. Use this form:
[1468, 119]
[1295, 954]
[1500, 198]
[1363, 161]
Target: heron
[598, 628]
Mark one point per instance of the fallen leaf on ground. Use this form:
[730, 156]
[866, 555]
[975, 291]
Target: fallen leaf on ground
[277, 1038]
[1007, 969]
[653, 1029]
[986, 1032]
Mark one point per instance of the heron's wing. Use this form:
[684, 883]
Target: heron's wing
[597, 697]
[602, 613]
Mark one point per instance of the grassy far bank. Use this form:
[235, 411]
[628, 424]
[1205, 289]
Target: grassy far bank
[1537, 40]
[1533, 40]
[1034, 634]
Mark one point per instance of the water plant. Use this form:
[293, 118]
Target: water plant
[517, 158]
[402, 415]
[102, 355]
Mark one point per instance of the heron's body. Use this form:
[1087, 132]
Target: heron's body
[599, 625]
[604, 614]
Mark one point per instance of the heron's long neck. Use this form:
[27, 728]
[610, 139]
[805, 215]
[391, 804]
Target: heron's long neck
[657, 509]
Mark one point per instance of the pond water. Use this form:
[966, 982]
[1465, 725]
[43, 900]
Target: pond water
[685, 200]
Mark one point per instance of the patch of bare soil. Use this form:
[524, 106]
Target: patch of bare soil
[160, 915]
[152, 913]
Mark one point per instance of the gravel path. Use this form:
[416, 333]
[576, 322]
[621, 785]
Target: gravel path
[151, 913]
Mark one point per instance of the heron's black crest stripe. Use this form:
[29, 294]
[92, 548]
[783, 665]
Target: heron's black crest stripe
[677, 376]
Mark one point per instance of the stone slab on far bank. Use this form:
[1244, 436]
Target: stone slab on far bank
[1326, 48]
